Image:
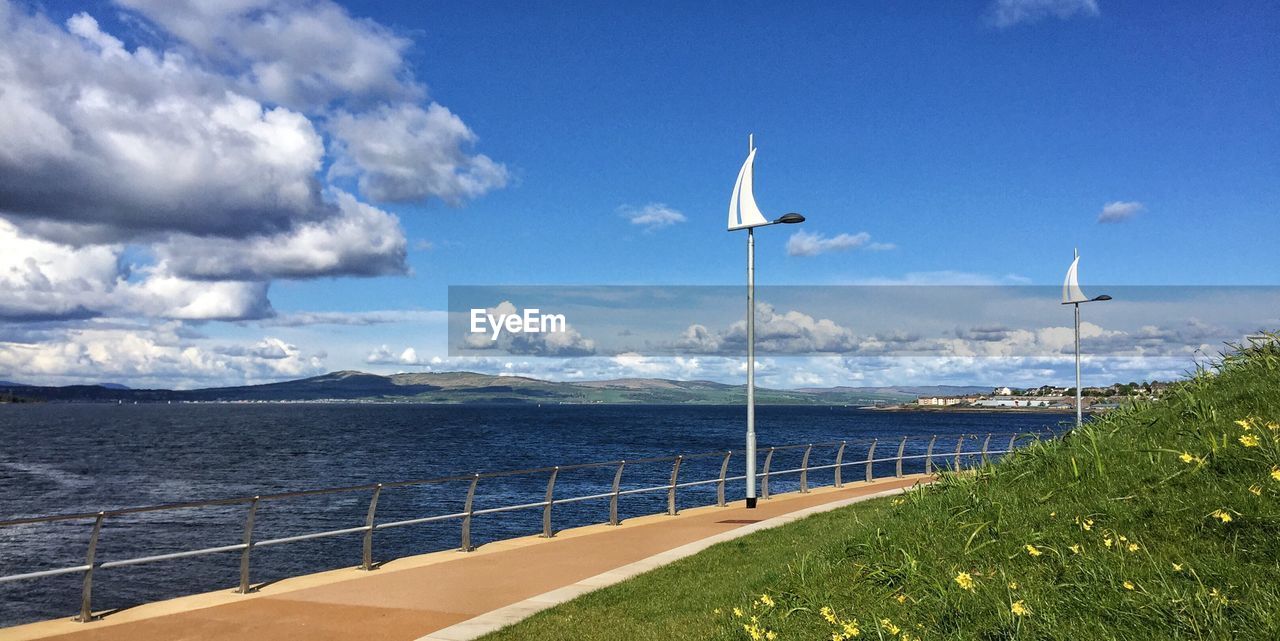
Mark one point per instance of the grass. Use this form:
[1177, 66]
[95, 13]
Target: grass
[1158, 521]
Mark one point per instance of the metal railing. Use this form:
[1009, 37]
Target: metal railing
[951, 459]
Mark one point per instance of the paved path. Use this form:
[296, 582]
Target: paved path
[445, 595]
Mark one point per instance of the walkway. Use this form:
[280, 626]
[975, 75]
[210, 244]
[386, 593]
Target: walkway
[447, 595]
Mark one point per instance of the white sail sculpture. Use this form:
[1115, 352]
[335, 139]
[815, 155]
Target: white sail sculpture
[1071, 292]
[743, 212]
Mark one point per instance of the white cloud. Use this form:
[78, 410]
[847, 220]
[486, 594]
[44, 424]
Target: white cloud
[1007, 13]
[407, 153]
[303, 53]
[123, 144]
[44, 281]
[803, 243]
[792, 332]
[1119, 211]
[561, 343]
[151, 355]
[652, 216]
[361, 241]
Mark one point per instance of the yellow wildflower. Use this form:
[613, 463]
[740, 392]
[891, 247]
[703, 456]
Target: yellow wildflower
[901, 598]
[851, 629]
[1133, 547]
[1255, 489]
[1177, 567]
[1108, 542]
[737, 612]
[767, 600]
[1053, 515]
[1187, 457]
[828, 614]
[1013, 585]
[1249, 440]
[1221, 515]
[1123, 538]
[965, 581]
[1032, 550]
[1273, 426]
[1019, 608]
[770, 635]
[716, 611]
[1128, 585]
[1075, 549]
[1085, 524]
[1246, 423]
[1275, 473]
[836, 636]
[889, 627]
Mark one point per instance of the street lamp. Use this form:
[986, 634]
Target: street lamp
[1071, 295]
[744, 214]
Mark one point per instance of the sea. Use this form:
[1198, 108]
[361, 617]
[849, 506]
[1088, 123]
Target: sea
[74, 458]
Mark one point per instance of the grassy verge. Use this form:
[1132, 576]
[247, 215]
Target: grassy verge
[1159, 521]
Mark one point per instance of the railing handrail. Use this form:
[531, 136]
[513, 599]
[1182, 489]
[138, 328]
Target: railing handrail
[549, 501]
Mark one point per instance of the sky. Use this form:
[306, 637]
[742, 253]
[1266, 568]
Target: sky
[213, 193]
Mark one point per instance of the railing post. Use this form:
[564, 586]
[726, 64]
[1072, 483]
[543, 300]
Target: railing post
[469, 509]
[671, 491]
[367, 561]
[804, 470]
[959, 444]
[550, 500]
[928, 456]
[871, 455]
[840, 462]
[985, 443]
[902, 445]
[764, 482]
[86, 592]
[724, 469]
[244, 587]
[613, 500]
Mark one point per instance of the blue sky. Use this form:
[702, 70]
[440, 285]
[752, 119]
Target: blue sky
[981, 140]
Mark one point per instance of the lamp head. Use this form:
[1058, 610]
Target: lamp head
[790, 219]
[1102, 297]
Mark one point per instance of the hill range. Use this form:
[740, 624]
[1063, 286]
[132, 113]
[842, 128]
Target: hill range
[471, 387]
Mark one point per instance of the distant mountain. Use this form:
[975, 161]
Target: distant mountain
[10, 384]
[114, 386]
[471, 387]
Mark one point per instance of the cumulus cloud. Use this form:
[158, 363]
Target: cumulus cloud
[567, 343]
[45, 281]
[176, 179]
[803, 243]
[1007, 13]
[304, 53]
[791, 332]
[652, 216]
[407, 153]
[1119, 211]
[121, 144]
[361, 241]
[152, 355]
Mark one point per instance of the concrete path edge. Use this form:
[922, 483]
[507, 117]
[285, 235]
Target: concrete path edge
[494, 620]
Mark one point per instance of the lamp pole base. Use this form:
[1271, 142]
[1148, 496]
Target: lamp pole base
[751, 503]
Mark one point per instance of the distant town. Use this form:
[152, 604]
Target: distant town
[1045, 397]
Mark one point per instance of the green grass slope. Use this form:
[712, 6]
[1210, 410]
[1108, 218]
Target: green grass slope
[1159, 521]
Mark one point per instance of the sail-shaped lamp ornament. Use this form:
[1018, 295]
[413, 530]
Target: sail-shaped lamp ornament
[1073, 295]
[745, 214]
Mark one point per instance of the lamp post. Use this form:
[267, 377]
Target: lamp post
[1071, 295]
[744, 214]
